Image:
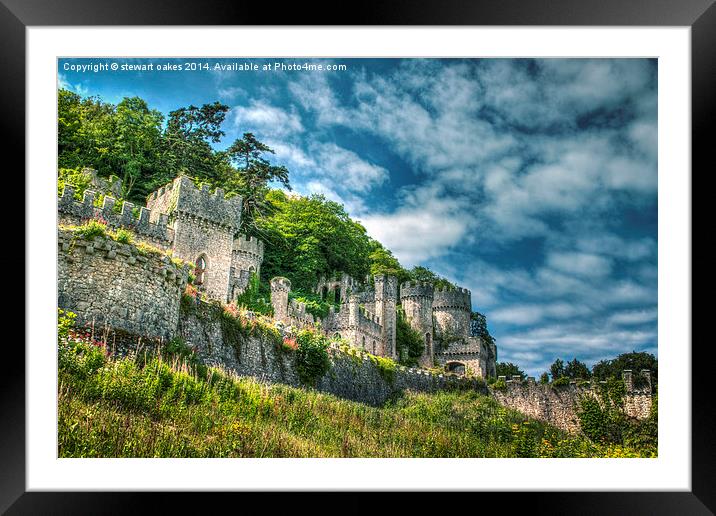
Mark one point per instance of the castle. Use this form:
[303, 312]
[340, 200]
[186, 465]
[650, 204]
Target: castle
[200, 227]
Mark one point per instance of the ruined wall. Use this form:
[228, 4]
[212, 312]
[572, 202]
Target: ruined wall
[246, 258]
[353, 377]
[558, 405]
[108, 283]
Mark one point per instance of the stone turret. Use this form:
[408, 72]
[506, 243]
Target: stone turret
[280, 287]
[452, 308]
[416, 299]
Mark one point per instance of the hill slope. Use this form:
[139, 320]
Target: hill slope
[154, 406]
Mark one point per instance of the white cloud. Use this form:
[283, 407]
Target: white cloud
[268, 120]
[581, 264]
[634, 317]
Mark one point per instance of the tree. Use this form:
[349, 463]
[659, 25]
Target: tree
[557, 369]
[138, 137]
[544, 378]
[425, 275]
[478, 327]
[382, 261]
[188, 137]
[635, 361]
[408, 341]
[509, 369]
[254, 173]
[576, 369]
[310, 237]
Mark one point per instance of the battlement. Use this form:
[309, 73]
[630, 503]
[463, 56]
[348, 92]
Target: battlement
[182, 197]
[249, 245]
[446, 298]
[416, 289]
[138, 220]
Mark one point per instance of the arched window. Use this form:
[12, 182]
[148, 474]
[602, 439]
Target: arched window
[374, 347]
[363, 342]
[429, 343]
[200, 270]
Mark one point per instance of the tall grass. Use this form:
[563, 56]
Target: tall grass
[160, 406]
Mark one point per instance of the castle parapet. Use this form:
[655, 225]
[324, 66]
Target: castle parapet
[458, 298]
[249, 245]
[416, 289]
[137, 220]
[181, 196]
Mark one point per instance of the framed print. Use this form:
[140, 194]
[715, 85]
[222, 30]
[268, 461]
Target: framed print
[442, 250]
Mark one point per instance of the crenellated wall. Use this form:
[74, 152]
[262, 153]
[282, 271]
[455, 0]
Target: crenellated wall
[138, 220]
[109, 283]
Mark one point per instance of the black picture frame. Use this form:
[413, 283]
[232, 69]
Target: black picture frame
[700, 15]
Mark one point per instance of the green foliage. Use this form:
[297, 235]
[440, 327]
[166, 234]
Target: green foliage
[315, 306]
[312, 360]
[408, 341]
[478, 328]
[382, 261]
[65, 322]
[256, 297]
[635, 361]
[91, 229]
[74, 177]
[386, 367]
[500, 384]
[557, 369]
[158, 406]
[560, 382]
[544, 379]
[509, 369]
[576, 369]
[310, 237]
[425, 275]
[123, 236]
[602, 419]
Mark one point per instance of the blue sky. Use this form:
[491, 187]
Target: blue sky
[531, 182]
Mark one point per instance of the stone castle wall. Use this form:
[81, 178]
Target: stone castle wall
[108, 283]
[148, 226]
[352, 377]
[558, 405]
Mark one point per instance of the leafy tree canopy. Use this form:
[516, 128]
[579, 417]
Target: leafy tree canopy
[509, 369]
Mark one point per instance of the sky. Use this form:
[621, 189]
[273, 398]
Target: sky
[531, 182]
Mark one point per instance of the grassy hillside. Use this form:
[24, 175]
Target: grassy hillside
[159, 406]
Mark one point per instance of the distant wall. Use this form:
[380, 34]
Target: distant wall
[558, 405]
[108, 283]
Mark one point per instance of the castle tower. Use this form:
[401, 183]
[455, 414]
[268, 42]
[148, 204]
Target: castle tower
[246, 258]
[280, 287]
[386, 296]
[353, 310]
[451, 310]
[417, 302]
[204, 226]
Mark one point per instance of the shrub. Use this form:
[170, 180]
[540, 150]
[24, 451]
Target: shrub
[91, 229]
[65, 322]
[560, 382]
[386, 367]
[312, 360]
[123, 236]
[256, 297]
[500, 385]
